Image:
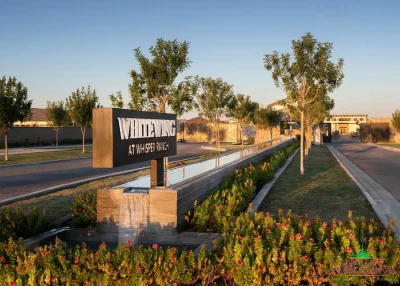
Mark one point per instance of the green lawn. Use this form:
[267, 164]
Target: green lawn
[391, 145]
[46, 156]
[325, 189]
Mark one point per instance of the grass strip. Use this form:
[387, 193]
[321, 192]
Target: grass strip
[325, 190]
[391, 145]
[47, 156]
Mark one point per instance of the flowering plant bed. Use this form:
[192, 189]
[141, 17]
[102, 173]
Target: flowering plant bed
[259, 249]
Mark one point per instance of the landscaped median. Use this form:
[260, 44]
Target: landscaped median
[255, 249]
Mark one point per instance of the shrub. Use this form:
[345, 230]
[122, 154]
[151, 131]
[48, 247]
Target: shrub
[17, 223]
[250, 141]
[84, 210]
[235, 194]
[210, 155]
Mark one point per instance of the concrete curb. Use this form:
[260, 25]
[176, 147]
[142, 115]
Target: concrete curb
[74, 184]
[385, 147]
[268, 186]
[383, 203]
[43, 163]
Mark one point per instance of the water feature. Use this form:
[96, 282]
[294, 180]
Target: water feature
[179, 174]
[133, 211]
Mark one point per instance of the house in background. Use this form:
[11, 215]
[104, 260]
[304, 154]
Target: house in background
[346, 123]
[286, 124]
[37, 119]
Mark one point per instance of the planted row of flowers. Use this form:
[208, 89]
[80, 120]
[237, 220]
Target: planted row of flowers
[239, 189]
[259, 249]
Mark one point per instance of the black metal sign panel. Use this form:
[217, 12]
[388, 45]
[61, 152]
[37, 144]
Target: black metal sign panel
[137, 136]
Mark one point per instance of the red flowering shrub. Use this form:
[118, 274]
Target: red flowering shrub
[261, 249]
[265, 249]
[84, 210]
[17, 223]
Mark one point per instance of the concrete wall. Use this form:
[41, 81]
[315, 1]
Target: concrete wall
[394, 135]
[25, 136]
[205, 132]
[263, 135]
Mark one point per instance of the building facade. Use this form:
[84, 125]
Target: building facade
[346, 123]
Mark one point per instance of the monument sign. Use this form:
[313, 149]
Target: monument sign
[122, 137]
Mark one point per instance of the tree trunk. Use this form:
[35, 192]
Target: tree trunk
[241, 134]
[271, 132]
[306, 143]
[57, 137]
[6, 145]
[83, 129]
[237, 131]
[162, 107]
[218, 137]
[302, 139]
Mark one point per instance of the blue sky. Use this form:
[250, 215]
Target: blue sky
[54, 47]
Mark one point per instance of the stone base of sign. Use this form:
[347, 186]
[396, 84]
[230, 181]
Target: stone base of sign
[163, 210]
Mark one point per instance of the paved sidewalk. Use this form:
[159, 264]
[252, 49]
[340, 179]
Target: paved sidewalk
[386, 206]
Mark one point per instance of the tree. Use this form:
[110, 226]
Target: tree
[396, 120]
[79, 106]
[314, 115]
[14, 106]
[153, 87]
[116, 100]
[243, 110]
[56, 116]
[268, 118]
[213, 98]
[310, 75]
[182, 99]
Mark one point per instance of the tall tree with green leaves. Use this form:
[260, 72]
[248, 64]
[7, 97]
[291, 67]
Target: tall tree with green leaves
[182, 99]
[396, 120]
[243, 109]
[306, 76]
[80, 105]
[14, 106]
[153, 87]
[116, 100]
[268, 118]
[212, 101]
[56, 116]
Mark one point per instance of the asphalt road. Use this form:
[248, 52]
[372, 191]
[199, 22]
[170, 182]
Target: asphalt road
[22, 180]
[381, 165]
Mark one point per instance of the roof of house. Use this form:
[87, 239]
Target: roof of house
[38, 114]
[197, 120]
[278, 102]
[349, 115]
[205, 120]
